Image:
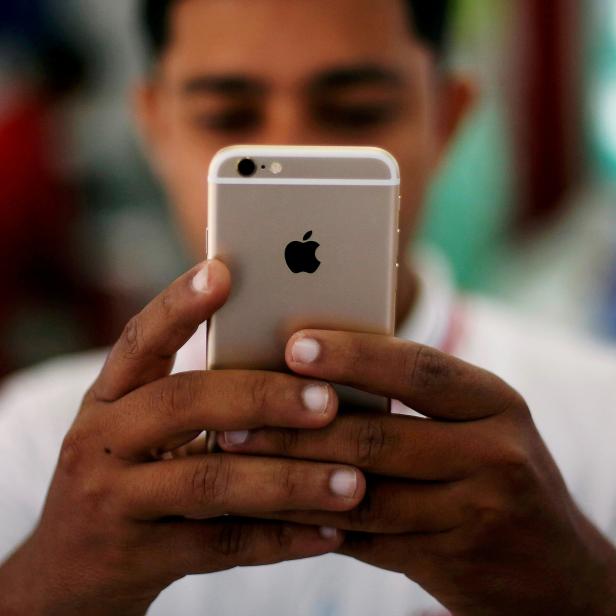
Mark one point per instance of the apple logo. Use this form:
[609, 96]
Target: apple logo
[301, 256]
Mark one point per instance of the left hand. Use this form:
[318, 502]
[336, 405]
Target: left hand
[468, 503]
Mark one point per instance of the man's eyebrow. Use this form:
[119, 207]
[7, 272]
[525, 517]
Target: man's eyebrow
[355, 76]
[229, 85]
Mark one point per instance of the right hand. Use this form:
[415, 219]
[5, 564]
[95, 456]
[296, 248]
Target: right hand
[120, 523]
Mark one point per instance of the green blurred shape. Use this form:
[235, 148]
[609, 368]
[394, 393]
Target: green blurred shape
[469, 205]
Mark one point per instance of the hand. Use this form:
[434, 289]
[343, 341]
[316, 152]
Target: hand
[120, 523]
[469, 503]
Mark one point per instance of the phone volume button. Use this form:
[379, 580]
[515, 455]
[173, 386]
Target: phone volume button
[207, 243]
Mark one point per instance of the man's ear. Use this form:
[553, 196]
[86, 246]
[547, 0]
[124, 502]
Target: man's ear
[146, 112]
[458, 95]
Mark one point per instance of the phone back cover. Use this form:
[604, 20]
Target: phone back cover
[258, 230]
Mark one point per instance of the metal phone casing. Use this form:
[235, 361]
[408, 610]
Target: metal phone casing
[348, 198]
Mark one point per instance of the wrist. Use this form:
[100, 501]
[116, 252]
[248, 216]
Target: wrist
[18, 593]
[29, 586]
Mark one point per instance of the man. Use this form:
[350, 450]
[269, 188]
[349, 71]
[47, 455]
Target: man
[466, 508]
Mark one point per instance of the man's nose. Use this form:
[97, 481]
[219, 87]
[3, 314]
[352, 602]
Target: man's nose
[287, 124]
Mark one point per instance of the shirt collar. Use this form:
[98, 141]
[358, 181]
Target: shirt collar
[432, 320]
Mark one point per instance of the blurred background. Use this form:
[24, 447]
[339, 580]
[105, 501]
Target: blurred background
[525, 206]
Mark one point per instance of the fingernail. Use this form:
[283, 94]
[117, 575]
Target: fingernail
[327, 532]
[305, 350]
[200, 282]
[343, 483]
[238, 437]
[316, 398]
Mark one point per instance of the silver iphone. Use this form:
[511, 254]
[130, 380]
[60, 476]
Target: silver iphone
[310, 235]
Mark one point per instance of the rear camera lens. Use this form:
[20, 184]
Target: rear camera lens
[246, 167]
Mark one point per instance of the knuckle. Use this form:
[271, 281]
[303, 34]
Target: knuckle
[95, 495]
[167, 303]
[72, 452]
[259, 389]
[516, 405]
[286, 480]
[232, 540]
[489, 517]
[89, 486]
[512, 457]
[494, 511]
[178, 393]
[510, 461]
[427, 368]
[91, 398]
[511, 402]
[132, 337]
[510, 468]
[283, 537]
[210, 480]
[371, 442]
[515, 468]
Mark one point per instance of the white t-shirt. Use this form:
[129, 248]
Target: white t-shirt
[569, 384]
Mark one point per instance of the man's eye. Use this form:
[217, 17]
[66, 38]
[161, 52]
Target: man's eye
[229, 121]
[355, 116]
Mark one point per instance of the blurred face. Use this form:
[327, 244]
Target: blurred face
[292, 72]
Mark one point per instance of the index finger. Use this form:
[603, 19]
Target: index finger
[145, 350]
[429, 381]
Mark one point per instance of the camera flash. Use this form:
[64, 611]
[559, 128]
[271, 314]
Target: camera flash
[276, 168]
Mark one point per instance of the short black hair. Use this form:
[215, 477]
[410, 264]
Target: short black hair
[429, 19]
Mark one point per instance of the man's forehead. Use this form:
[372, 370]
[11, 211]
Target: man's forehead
[284, 36]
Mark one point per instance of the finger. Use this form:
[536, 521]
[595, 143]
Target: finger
[420, 556]
[426, 380]
[392, 445]
[192, 547]
[409, 553]
[208, 486]
[392, 507]
[172, 411]
[145, 350]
